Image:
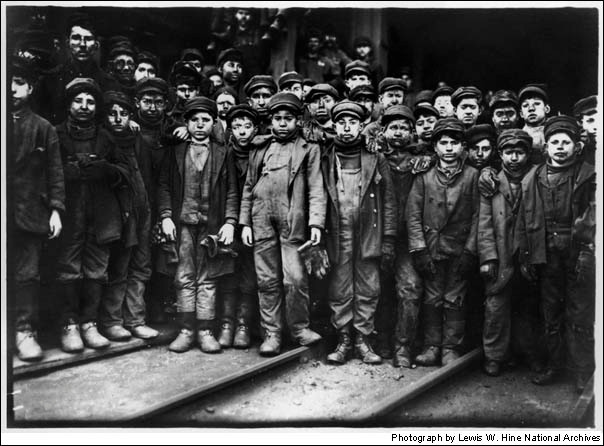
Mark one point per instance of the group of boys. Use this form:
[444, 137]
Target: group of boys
[241, 192]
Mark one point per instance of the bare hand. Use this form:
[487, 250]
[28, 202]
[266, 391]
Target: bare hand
[226, 234]
[168, 228]
[134, 126]
[55, 224]
[246, 236]
[315, 236]
[181, 133]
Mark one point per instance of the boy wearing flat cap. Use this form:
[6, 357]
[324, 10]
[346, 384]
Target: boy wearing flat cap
[357, 73]
[534, 109]
[283, 206]
[467, 104]
[511, 303]
[230, 66]
[504, 110]
[147, 65]
[318, 129]
[198, 197]
[586, 112]
[441, 99]
[425, 120]
[391, 92]
[361, 230]
[366, 96]
[555, 236]
[291, 81]
[442, 219]
[121, 65]
[481, 147]
[92, 218]
[185, 81]
[225, 98]
[259, 90]
[123, 302]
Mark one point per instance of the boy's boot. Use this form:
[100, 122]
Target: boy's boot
[92, 291]
[454, 327]
[344, 347]
[430, 356]
[116, 333]
[307, 337]
[91, 336]
[205, 337]
[364, 351]
[184, 340]
[272, 344]
[71, 339]
[242, 334]
[402, 357]
[226, 335]
[27, 345]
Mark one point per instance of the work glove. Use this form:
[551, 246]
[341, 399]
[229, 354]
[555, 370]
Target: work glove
[421, 164]
[488, 183]
[388, 256]
[423, 263]
[489, 270]
[216, 248]
[585, 266]
[467, 264]
[315, 258]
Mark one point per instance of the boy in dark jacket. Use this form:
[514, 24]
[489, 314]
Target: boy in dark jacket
[283, 206]
[361, 228]
[586, 112]
[556, 233]
[442, 220]
[38, 192]
[198, 197]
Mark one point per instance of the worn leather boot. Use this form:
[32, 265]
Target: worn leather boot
[27, 345]
[207, 341]
[183, 341]
[402, 357]
[449, 355]
[144, 332]
[71, 340]
[116, 333]
[364, 351]
[226, 335]
[307, 337]
[272, 344]
[429, 357]
[242, 337]
[343, 349]
[91, 336]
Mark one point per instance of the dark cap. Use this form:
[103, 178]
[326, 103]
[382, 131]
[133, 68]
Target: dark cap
[442, 91]
[24, 68]
[362, 91]
[465, 92]
[152, 85]
[121, 49]
[230, 54]
[287, 100]
[240, 111]
[391, 83]
[117, 97]
[426, 110]
[477, 133]
[184, 73]
[357, 66]
[423, 96]
[562, 123]
[308, 81]
[531, 90]
[288, 78]
[397, 112]
[514, 137]
[258, 81]
[585, 106]
[83, 84]
[82, 20]
[200, 104]
[503, 98]
[362, 41]
[226, 90]
[192, 53]
[348, 108]
[148, 57]
[448, 125]
[320, 90]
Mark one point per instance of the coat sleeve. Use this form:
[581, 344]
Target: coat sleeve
[472, 236]
[232, 197]
[487, 244]
[164, 193]
[415, 210]
[317, 195]
[390, 209]
[245, 209]
[56, 181]
[520, 237]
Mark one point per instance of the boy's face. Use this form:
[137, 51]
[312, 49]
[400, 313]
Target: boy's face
[284, 122]
[514, 158]
[216, 80]
[398, 133]
[143, 70]
[224, 102]
[259, 100]
[151, 106]
[534, 110]
[356, 79]
[590, 123]
[448, 148]
[424, 126]
[184, 92]
[82, 43]
[199, 125]
[313, 44]
[480, 152]
[243, 17]
[348, 128]
[243, 130]
[196, 64]
[392, 97]
[363, 51]
[505, 118]
[560, 148]
[123, 66]
[21, 90]
[231, 71]
[320, 107]
[444, 106]
[467, 111]
[83, 107]
[295, 88]
[367, 103]
[118, 118]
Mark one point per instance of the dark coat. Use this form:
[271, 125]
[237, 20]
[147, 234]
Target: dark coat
[530, 235]
[38, 177]
[378, 205]
[307, 196]
[442, 216]
[224, 196]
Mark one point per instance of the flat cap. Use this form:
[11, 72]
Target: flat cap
[242, 110]
[122, 49]
[148, 57]
[585, 106]
[285, 100]
[532, 90]
[397, 112]
[225, 89]
[562, 123]
[362, 91]
[347, 108]
[426, 110]
[320, 90]
[192, 53]
[24, 68]
[477, 133]
[153, 85]
[117, 97]
[362, 41]
[465, 92]
[357, 66]
[514, 137]
[503, 98]
[230, 54]
[184, 72]
[258, 81]
[200, 104]
[81, 85]
[390, 83]
[448, 125]
[423, 96]
[288, 78]
[442, 91]
[308, 81]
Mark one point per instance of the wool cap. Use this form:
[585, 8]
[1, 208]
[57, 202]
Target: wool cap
[230, 54]
[514, 137]
[362, 41]
[397, 112]
[448, 125]
[391, 83]
[532, 90]
[117, 97]
[308, 81]
[320, 90]
[288, 78]
[200, 104]
[225, 89]
[465, 92]
[426, 110]
[357, 66]
[348, 108]
[240, 111]
[477, 133]
[192, 53]
[184, 72]
[503, 98]
[585, 106]
[258, 81]
[148, 57]
[442, 91]
[154, 85]
[83, 84]
[285, 100]
[122, 49]
[362, 91]
[562, 123]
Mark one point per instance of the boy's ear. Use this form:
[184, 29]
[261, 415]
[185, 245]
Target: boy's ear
[361, 126]
[137, 102]
[547, 109]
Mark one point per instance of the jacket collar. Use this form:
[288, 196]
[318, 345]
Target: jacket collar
[216, 158]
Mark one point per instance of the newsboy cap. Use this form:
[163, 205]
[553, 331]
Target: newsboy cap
[320, 90]
[357, 66]
[258, 81]
[562, 123]
[83, 84]
[442, 91]
[514, 137]
[503, 98]
[122, 49]
[286, 100]
[192, 53]
[477, 133]
[426, 110]
[240, 111]
[423, 96]
[288, 78]
[200, 104]
[362, 91]
[348, 108]
[230, 54]
[154, 85]
[465, 92]
[184, 72]
[531, 90]
[391, 83]
[448, 125]
[117, 97]
[397, 112]
[585, 106]
[148, 57]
